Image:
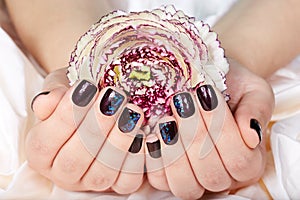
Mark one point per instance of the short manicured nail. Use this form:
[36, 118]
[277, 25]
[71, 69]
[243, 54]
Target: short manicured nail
[207, 97]
[83, 93]
[34, 98]
[184, 105]
[154, 149]
[128, 120]
[136, 144]
[169, 132]
[254, 124]
[111, 102]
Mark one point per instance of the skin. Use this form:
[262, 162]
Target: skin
[261, 35]
[251, 97]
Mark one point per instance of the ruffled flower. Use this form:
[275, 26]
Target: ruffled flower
[151, 55]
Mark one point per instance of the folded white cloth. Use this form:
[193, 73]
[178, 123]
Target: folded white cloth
[286, 86]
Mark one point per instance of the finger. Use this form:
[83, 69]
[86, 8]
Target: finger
[252, 118]
[104, 171]
[154, 165]
[241, 162]
[78, 153]
[179, 173]
[131, 175]
[252, 103]
[47, 137]
[54, 88]
[203, 157]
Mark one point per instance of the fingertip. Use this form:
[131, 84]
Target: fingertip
[120, 91]
[110, 100]
[36, 96]
[153, 146]
[256, 127]
[137, 143]
[130, 119]
[252, 119]
[208, 97]
[44, 103]
[167, 130]
[251, 130]
[136, 109]
[183, 105]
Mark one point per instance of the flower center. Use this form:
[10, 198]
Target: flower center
[149, 75]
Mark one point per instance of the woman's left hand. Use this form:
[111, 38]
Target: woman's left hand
[208, 144]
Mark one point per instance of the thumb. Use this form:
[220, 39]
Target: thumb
[55, 85]
[253, 113]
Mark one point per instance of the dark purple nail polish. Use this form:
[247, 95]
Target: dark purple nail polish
[84, 93]
[254, 124]
[207, 97]
[169, 132]
[34, 98]
[154, 149]
[111, 102]
[184, 105]
[136, 144]
[128, 120]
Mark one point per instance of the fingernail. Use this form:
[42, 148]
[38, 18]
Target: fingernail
[184, 105]
[84, 93]
[254, 124]
[154, 149]
[34, 98]
[169, 133]
[136, 144]
[111, 102]
[207, 97]
[128, 120]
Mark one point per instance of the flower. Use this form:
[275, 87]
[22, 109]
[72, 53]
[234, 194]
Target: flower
[151, 55]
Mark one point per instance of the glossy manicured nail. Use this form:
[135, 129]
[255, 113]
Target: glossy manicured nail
[128, 120]
[34, 98]
[169, 132]
[136, 144]
[254, 124]
[184, 105]
[207, 97]
[154, 149]
[83, 93]
[111, 102]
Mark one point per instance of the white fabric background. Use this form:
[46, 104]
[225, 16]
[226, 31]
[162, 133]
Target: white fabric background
[20, 81]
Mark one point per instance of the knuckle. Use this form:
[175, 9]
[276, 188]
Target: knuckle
[97, 182]
[244, 167]
[67, 164]
[239, 163]
[215, 180]
[38, 153]
[36, 146]
[68, 168]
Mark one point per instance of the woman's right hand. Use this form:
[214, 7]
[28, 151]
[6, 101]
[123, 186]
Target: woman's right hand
[208, 144]
[86, 139]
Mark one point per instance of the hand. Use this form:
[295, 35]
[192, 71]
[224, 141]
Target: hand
[86, 139]
[208, 146]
